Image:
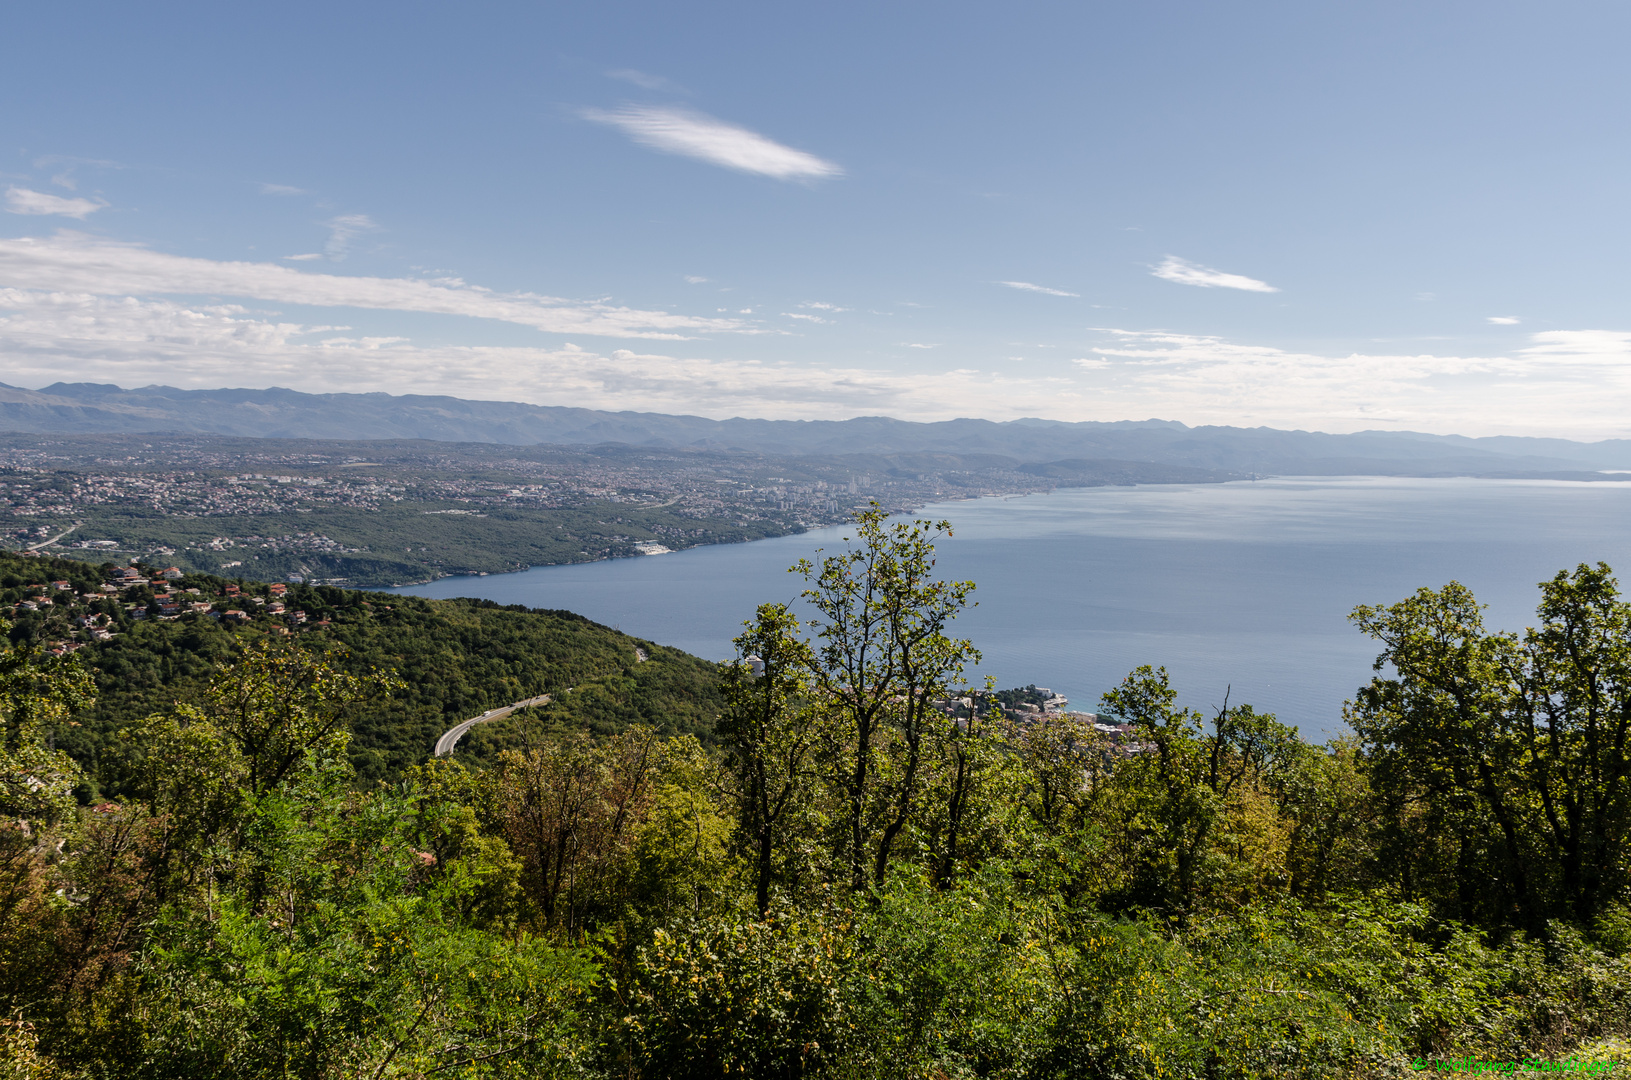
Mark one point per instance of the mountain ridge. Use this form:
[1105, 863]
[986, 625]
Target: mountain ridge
[86, 408]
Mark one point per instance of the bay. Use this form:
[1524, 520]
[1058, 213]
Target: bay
[1241, 588]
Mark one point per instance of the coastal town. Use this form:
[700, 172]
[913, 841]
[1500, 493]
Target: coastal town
[370, 514]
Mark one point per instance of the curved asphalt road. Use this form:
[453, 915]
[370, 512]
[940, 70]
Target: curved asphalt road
[450, 738]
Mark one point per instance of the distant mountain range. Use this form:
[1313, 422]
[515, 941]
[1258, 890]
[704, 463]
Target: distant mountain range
[86, 408]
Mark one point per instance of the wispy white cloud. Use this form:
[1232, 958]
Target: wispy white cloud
[307, 257]
[698, 135]
[694, 279]
[1585, 349]
[1505, 320]
[74, 263]
[1029, 287]
[40, 203]
[344, 229]
[819, 306]
[918, 345]
[805, 317]
[645, 80]
[281, 189]
[1184, 272]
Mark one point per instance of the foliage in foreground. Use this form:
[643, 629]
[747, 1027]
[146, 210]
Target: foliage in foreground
[871, 876]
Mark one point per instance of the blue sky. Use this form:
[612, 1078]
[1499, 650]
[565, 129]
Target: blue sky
[1387, 215]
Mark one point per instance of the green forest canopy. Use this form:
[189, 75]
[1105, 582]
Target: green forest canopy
[812, 869]
[457, 658]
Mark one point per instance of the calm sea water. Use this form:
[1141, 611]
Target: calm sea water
[1244, 586]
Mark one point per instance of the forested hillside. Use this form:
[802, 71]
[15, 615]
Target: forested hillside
[869, 871]
[456, 658]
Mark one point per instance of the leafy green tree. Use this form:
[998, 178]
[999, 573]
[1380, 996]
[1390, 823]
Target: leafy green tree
[572, 809]
[884, 657]
[37, 693]
[260, 917]
[1188, 784]
[1066, 809]
[360, 955]
[1327, 796]
[1505, 762]
[973, 779]
[681, 863]
[770, 729]
[284, 706]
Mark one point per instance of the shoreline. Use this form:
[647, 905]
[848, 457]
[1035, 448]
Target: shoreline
[1583, 479]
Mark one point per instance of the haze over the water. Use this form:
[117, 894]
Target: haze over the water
[1389, 215]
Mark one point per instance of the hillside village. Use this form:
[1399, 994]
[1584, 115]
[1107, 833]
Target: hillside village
[63, 615]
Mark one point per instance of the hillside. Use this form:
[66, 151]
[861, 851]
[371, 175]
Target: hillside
[458, 658]
[1020, 894]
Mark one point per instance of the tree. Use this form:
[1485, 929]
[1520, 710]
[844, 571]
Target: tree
[770, 730]
[883, 658]
[1189, 784]
[1505, 754]
[284, 706]
[37, 692]
[1063, 803]
[970, 776]
[1328, 797]
[571, 809]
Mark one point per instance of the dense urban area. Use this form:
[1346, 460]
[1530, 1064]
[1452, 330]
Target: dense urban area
[370, 514]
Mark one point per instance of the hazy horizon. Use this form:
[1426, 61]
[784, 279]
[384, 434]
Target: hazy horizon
[832, 420]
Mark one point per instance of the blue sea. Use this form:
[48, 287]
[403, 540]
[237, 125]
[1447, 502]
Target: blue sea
[1241, 587]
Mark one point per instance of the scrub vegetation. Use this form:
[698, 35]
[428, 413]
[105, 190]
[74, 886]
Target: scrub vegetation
[828, 858]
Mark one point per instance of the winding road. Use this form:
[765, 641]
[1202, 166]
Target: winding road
[450, 738]
[54, 539]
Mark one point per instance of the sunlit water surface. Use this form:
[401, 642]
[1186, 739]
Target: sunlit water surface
[1243, 585]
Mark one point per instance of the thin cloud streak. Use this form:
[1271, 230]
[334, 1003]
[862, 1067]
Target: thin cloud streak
[344, 229]
[1183, 272]
[1027, 286]
[644, 80]
[698, 135]
[74, 263]
[40, 203]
